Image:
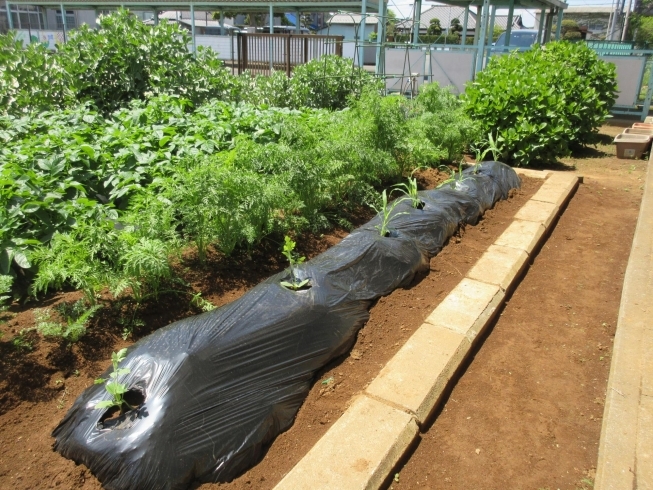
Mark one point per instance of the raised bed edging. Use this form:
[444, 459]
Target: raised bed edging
[626, 445]
[352, 454]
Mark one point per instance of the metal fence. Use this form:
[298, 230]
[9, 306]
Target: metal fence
[261, 53]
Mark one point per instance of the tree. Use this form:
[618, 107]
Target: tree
[435, 29]
[251, 18]
[456, 26]
[569, 29]
[496, 33]
[644, 31]
[391, 23]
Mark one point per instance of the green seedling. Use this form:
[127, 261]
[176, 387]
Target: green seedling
[409, 189]
[453, 175]
[21, 342]
[114, 388]
[386, 213]
[5, 291]
[199, 302]
[492, 146]
[75, 326]
[288, 248]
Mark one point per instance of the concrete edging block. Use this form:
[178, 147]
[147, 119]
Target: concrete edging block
[357, 452]
[538, 211]
[468, 308]
[522, 235]
[535, 174]
[417, 375]
[499, 265]
[556, 189]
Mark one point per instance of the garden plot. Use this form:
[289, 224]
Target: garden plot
[74, 378]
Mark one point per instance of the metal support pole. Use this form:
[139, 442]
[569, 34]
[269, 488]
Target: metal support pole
[647, 100]
[511, 11]
[63, 18]
[624, 33]
[418, 19]
[490, 34]
[270, 40]
[222, 22]
[361, 34]
[298, 22]
[192, 27]
[380, 36]
[463, 41]
[481, 36]
[11, 21]
[156, 17]
[559, 25]
[479, 14]
[541, 27]
[548, 27]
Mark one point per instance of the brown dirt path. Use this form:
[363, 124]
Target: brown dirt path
[526, 410]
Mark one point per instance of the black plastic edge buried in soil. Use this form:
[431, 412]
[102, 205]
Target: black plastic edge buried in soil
[218, 387]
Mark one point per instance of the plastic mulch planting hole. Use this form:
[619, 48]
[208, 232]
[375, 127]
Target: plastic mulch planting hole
[220, 386]
[117, 418]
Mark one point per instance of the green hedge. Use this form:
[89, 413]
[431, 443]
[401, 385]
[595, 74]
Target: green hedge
[541, 103]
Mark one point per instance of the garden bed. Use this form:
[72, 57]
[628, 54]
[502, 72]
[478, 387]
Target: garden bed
[41, 384]
[593, 235]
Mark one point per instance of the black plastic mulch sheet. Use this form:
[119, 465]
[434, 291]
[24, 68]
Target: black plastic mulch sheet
[220, 386]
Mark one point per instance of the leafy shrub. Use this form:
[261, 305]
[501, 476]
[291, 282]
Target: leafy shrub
[328, 83]
[542, 102]
[31, 78]
[443, 121]
[123, 58]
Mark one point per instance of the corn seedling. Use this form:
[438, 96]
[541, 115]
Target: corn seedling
[492, 146]
[288, 248]
[386, 213]
[409, 189]
[453, 175]
[114, 388]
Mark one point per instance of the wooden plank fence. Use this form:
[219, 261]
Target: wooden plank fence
[285, 50]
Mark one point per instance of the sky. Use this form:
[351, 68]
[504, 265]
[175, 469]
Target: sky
[404, 8]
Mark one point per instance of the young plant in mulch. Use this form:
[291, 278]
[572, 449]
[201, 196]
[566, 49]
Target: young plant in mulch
[114, 388]
[491, 146]
[288, 251]
[386, 213]
[409, 189]
[454, 177]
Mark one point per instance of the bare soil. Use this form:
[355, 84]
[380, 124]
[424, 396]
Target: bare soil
[526, 410]
[527, 416]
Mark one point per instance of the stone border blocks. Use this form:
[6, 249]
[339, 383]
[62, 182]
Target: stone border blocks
[499, 265]
[357, 452]
[556, 189]
[539, 212]
[416, 376]
[522, 235]
[468, 308]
